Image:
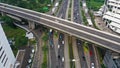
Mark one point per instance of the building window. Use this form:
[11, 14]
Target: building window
[3, 58]
[5, 61]
[0, 48]
[1, 54]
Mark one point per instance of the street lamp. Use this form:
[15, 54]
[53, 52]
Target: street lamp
[73, 60]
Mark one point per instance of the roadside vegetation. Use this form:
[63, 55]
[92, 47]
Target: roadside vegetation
[93, 20]
[69, 11]
[101, 56]
[15, 35]
[84, 18]
[37, 5]
[85, 47]
[55, 34]
[72, 63]
[45, 50]
[94, 4]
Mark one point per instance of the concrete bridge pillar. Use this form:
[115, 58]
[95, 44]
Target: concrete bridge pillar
[31, 24]
[2, 13]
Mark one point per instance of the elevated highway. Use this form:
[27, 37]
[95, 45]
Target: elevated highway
[101, 38]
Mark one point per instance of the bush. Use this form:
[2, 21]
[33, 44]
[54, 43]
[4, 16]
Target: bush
[45, 38]
[20, 41]
[103, 66]
[84, 18]
[18, 34]
[93, 21]
[8, 21]
[45, 48]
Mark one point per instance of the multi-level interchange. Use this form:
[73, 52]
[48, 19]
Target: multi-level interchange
[76, 45]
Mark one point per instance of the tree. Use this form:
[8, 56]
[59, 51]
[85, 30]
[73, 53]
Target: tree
[8, 21]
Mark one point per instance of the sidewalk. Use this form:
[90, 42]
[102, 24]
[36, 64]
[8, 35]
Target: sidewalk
[38, 55]
[66, 53]
[75, 52]
[102, 26]
[20, 57]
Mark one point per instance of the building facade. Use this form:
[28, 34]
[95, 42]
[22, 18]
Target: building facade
[111, 14]
[111, 60]
[7, 58]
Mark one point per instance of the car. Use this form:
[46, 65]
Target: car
[33, 50]
[30, 60]
[91, 53]
[92, 65]
[58, 46]
[63, 42]
[27, 66]
[61, 36]
[58, 56]
[51, 30]
[83, 58]
[31, 55]
[63, 59]
[77, 14]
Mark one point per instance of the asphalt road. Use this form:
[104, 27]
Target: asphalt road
[52, 60]
[81, 54]
[60, 51]
[92, 56]
[62, 11]
[76, 12]
[61, 14]
[69, 24]
[77, 19]
[99, 37]
[58, 63]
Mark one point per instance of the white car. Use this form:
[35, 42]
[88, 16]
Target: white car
[30, 60]
[92, 65]
[51, 30]
[63, 59]
[77, 14]
[58, 46]
[31, 55]
[63, 42]
[33, 50]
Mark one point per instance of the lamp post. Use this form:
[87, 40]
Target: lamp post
[73, 60]
[73, 63]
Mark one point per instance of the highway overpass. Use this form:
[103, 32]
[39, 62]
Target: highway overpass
[101, 38]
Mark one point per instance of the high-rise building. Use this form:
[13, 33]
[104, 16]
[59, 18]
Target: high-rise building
[111, 14]
[7, 58]
[111, 60]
